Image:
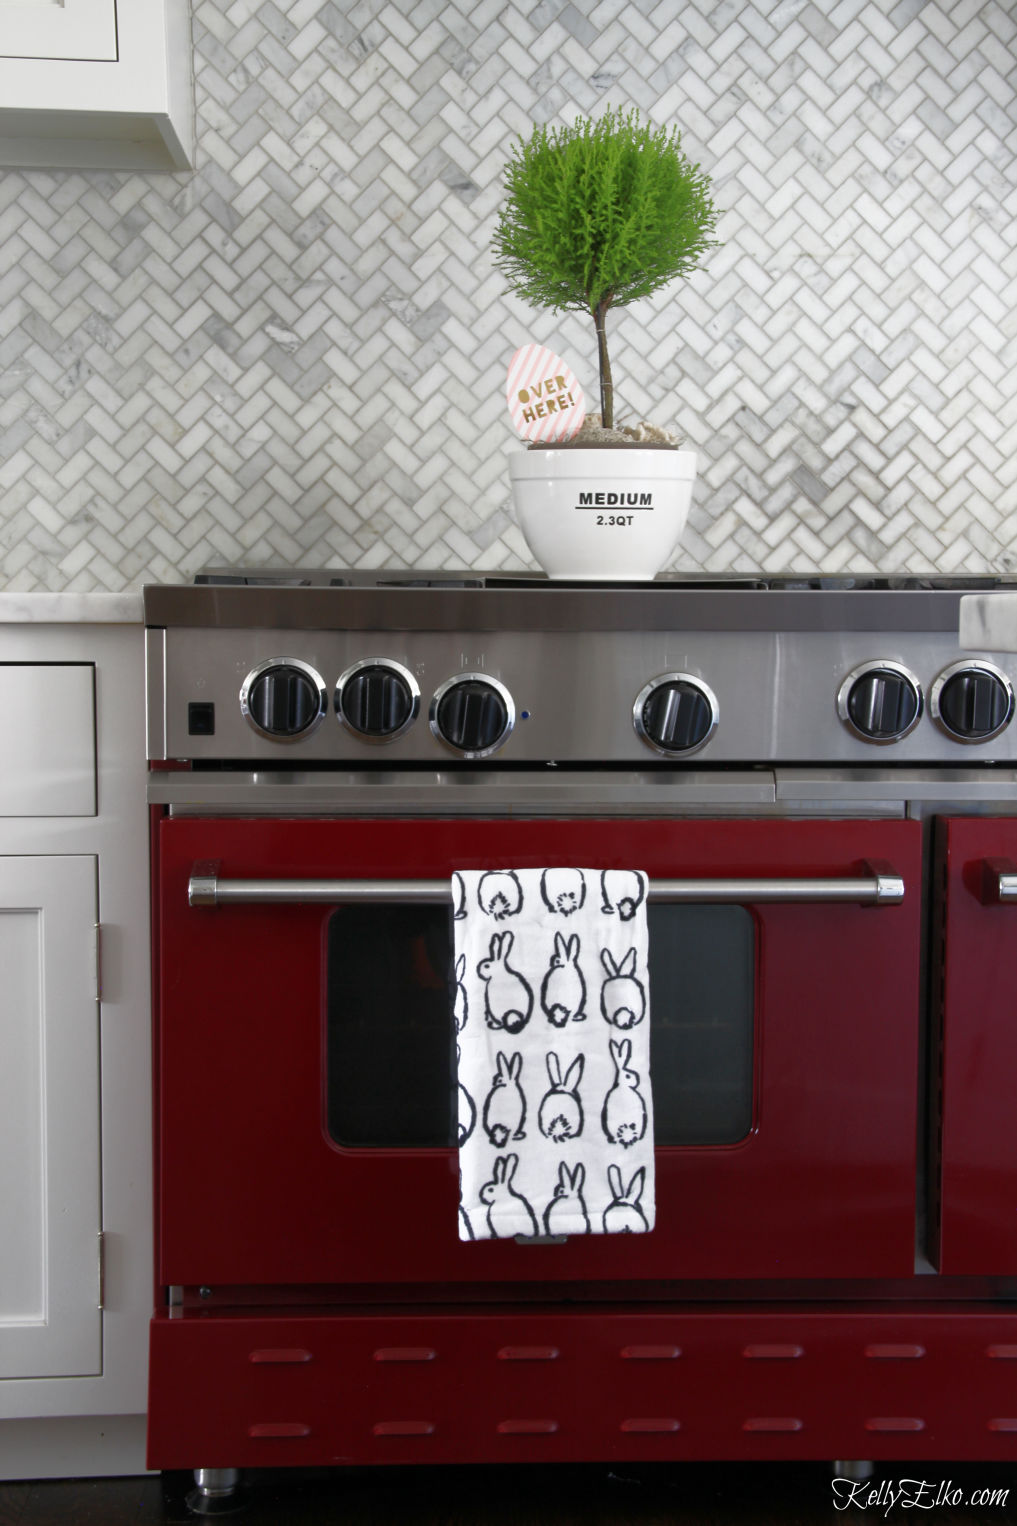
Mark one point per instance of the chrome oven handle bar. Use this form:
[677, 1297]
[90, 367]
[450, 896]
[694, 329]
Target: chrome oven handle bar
[999, 882]
[881, 886]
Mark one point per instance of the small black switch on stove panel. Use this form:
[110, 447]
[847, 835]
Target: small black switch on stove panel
[200, 718]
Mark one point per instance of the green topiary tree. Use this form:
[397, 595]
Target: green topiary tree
[599, 214]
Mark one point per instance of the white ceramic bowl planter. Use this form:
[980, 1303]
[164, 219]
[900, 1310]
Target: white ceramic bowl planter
[607, 513]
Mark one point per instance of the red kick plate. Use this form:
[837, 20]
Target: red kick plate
[210, 1407]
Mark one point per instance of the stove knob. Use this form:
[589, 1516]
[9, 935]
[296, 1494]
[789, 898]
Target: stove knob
[472, 714]
[675, 714]
[972, 701]
[378, 699]
[880, 702]
[283, 699]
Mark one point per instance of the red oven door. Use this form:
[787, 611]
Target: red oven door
[304, 1056]
[978, 1051]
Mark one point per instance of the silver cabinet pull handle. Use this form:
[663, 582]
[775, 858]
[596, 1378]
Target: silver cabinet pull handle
[999, 882]
[881, 886]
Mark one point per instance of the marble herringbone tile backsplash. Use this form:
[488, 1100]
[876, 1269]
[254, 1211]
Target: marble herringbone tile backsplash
[297, 353]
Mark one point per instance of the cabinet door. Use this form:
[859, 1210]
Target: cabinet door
[50, 1322]
[80, 29]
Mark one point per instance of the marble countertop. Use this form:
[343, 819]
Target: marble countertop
[71, 608]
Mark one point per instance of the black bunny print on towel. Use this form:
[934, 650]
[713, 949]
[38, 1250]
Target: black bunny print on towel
[561, 1111]
[467, 1112]
[549, 988]
[465, 1227]
[500, 894]
[563, 890]
[622, 996]
[623, 1214]
[623, 1117]
[505, 1105]
[499, 1193]
[621, 891]
[567, 1203]
[461, 1003]
[563, 990]
[508, 999]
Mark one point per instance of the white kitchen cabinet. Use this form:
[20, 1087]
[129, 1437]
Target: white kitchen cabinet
[82, 29]
[75, 1046]
[93, 84]
[50, 1214]
[47, 740]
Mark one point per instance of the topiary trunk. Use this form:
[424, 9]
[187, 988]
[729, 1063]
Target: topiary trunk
[606, 385]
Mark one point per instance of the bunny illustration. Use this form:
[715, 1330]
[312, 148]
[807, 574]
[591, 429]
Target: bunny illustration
[623, 1214]
[561, 1112]
[505, 1105]
[458, 896]
[505, 1203]
[622, 998]
[467, 1113]
[500, 894]
[623, 1117]
[465, 1227]
[461, 1005]
[508, 1000]
[567, 1203]
[563, 890]
[622, 890]
[563, 991]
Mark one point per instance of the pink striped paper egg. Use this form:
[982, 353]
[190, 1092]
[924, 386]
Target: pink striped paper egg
[544, 398]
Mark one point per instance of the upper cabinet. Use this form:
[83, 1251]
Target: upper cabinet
[82, 29]
[96, 84]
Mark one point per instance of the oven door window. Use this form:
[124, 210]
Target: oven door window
[391, 1058]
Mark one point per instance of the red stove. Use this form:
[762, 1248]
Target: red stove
[819, 778]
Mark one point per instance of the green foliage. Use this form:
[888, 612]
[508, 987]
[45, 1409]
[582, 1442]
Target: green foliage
[599, 214]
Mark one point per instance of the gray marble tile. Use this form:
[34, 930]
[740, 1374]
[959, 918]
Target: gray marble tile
[298, 351]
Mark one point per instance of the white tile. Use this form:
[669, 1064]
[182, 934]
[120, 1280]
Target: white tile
[225, 340]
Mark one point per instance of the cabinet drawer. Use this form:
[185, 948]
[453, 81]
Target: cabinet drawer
[47, 739]
[75, 29]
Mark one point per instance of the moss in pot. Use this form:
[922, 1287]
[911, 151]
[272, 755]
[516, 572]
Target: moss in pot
[596, 216]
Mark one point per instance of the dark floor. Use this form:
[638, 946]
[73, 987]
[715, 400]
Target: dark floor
[690, 1494]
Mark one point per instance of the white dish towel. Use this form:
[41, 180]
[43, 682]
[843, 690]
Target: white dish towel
[553, 1036]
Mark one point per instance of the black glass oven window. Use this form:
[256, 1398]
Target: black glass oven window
[702, 1015]
[391, 1039]
[391, 1062]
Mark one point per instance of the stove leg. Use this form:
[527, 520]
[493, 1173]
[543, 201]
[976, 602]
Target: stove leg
[857, 1471]
[215, 1492]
